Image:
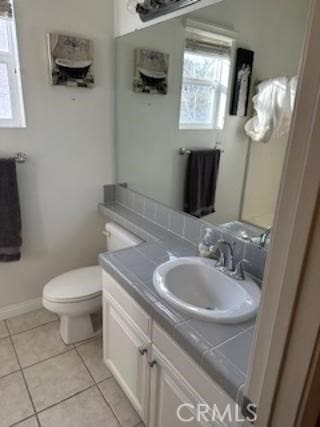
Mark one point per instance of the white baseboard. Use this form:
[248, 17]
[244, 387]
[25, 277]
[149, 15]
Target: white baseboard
[21, 308]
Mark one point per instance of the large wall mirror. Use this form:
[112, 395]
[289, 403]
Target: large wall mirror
[204, 104]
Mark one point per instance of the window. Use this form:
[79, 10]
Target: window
[205, 84]
[11, 102]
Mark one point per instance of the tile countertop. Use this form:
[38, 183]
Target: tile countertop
[221, 350]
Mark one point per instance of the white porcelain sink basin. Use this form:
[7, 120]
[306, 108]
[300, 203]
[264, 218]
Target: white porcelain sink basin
[194, 286]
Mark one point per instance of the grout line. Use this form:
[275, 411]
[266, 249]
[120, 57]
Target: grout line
[7, 328]
[10, 373]
[242, 332]
[33, 328]
[21, 370]
[154, 222]
[216, 347]
[4, 338]
[25, 419]
[144, 207]
[247, 329]
[10, 335]
[180, 235]
[183, 322]
[234, 365]
[87, 341]
[65, 399]
[105, 379]
[96, 384]
[24, 379]
[48, 358]
[107, 403]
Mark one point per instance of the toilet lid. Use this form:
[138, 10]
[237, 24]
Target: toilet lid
[75, 285]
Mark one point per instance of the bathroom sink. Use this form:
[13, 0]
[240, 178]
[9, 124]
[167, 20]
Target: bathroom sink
[194, 286]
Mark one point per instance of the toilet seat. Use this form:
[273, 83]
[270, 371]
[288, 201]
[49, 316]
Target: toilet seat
[75, 286]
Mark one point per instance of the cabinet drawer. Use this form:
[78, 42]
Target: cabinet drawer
[209, 391]
[118, 296]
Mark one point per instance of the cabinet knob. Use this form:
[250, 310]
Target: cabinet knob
[152, 363]
[143, 350]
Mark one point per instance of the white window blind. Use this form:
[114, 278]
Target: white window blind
[11, 101]
[206, 71]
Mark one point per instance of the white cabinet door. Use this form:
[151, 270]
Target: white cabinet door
[126, 355]
[168, 391]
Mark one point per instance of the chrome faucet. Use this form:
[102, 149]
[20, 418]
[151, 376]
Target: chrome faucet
[239, 273]
[264, 237]
[226, 261]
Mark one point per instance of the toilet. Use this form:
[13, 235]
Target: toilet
[76, 296]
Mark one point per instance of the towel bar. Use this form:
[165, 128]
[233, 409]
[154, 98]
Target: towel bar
[183, 151]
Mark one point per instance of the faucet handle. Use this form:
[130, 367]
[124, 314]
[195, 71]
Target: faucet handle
[239, 273]
[205, 244]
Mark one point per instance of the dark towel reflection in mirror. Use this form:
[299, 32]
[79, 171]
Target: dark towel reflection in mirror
[201, 182]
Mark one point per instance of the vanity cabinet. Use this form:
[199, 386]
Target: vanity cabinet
[154, 372]
[168, 391]
[126, 346]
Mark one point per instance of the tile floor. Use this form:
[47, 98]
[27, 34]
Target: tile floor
[44, 382]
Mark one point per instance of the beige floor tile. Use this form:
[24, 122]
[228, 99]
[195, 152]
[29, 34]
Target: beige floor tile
[3, 329]
[91, 353]
[56, 379]
[119, 403]
[30, 320]
[87, 409]
[8, 359]
[38, 344]
[15, 404]
[87, 340]
[30, 422]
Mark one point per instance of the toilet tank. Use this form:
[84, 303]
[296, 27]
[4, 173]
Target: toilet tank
[119, 238]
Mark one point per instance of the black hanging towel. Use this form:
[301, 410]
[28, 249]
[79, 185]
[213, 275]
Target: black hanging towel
[201, 182]
[10, 217]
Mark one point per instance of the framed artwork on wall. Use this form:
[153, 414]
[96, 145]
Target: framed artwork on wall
[70, 60]
[151, 72]
[242, 83]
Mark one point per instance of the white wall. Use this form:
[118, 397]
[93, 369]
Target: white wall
[263, 180]
[69, 143]
[147, 133]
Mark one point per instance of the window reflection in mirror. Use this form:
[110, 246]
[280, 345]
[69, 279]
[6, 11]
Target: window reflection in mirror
[206, 68]
[195, 111]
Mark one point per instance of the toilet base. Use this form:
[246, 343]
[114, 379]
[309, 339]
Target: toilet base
[79, 328]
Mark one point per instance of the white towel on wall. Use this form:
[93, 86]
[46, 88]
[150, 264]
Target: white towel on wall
[273, 105]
